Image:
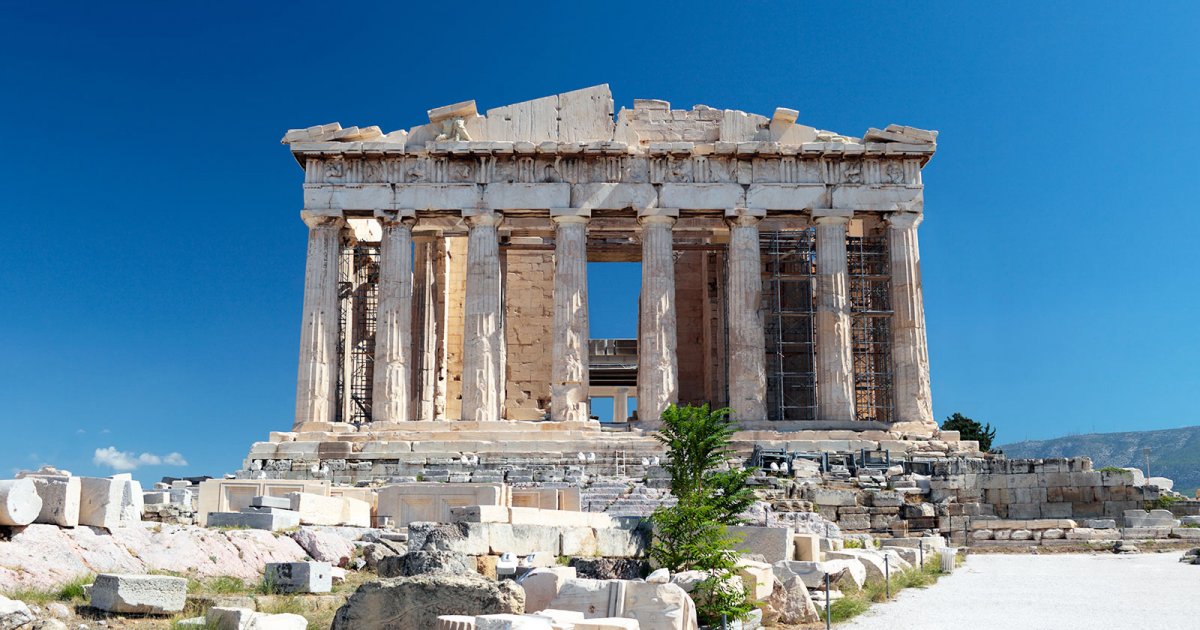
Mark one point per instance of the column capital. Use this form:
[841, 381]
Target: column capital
[396, 216]
[482, 218]
[744, 217]
[315, 219]
[832, 216]
[904, 220]
[561, 216]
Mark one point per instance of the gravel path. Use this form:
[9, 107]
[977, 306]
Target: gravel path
[1059, 591]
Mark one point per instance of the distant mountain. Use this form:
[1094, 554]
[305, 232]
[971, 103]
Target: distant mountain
[1174, 453]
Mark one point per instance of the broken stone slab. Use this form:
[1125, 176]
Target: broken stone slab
[655, 606]
[253, 520]
[418, 601]
[813, 573]
[455, 622]
[507, 621]
[758, 578]
[541, 585]
[139, 594]
[299, 577]
[226, 618]
[100, 502]
[20, 504]
[772, 543]
[789, 604]
[14, 613]
[325, 546]
[425, 562]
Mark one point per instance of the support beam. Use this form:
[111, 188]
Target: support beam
[910, 351]
[391, 393]
[316, 383]
[747, 344]
[658, 368]
[835, 362]
[569, 357]
[483, 335]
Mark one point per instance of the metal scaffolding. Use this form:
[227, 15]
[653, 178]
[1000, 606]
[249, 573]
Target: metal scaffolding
[871, 326]
[789, 276]
[358, 297]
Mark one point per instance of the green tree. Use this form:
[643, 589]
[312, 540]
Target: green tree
[968, 429]
[711, 494]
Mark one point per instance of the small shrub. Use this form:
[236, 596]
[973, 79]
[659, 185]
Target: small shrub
[852, 543]
[284, 604]
[225, 585]
[1163, 502]
[68, 592]
[1116, 470]
[848, 607]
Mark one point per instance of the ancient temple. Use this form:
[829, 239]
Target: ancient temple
[446, 279]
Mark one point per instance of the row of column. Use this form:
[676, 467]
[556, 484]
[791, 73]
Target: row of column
[658, 373]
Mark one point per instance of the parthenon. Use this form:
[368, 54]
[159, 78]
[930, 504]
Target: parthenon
[446, 275]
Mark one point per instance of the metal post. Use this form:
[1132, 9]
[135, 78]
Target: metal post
[1146, 452]
[828, 613]
[724, 621]
[921, 546]
[887, 576]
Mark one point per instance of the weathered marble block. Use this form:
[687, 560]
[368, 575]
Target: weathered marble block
[19, 502]
[140, 594]
[101, 502]
[299, 577]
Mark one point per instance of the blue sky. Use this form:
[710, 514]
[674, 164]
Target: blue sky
[151, 259]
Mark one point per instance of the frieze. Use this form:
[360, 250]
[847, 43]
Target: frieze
[587, 169]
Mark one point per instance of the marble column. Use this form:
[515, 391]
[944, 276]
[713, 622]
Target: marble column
[483, 335]
[747, 380]
[391, 394]
[316, 383]
[835, 361]
[658, 369]
[569, 355]
[426, 325]
[910, 352]
[621, 405]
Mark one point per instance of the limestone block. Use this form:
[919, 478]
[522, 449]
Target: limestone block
[1052, 534]
[613, 542]
[518, 196]
[602, 196]
[527, 539]
[542, 585]
[1101, 523]
[824, 496]
[479, 514]
[757, 577]
[812, 574]
[579, 541]
[655, 606]
[315, 509]
[871, 561]
[506, 621]
[282, 503]
[608, 623]
[19, 502]
[355, 513]
[271, 522]
[140, 594]
[60, 499]
[561, 619]
[878, 198]
[229, 618]
[299, 577]
[100, 502]
[807, 547]
[773, 543]
[1185, 533]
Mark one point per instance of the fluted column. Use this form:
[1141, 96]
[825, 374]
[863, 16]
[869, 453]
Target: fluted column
[835, 361]
[747, 344]
[910, 352]
[569, 357]
[483, 337]
[658, 369]
[316, 383]
[425, 330]
[391, 394]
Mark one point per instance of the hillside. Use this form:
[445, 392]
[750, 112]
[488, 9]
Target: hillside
[1174, 453]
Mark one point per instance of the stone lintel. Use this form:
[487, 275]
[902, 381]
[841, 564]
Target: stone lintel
[465, 109]
[787, 196]
[438, 196]
[610, 196]
[505, 196]
[702, 196]
[878, 198]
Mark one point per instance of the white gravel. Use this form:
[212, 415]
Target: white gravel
[1059, 591]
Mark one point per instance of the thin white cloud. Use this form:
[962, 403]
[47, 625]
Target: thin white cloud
[126, 461]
